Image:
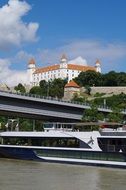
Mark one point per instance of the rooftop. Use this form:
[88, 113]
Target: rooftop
[70, 67]
[72, 84]
[31, 61]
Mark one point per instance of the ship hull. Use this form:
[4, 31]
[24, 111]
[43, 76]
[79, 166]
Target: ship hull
[64, 156]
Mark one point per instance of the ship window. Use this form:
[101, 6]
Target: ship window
[113, 142]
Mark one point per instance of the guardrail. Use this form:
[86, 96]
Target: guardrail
[45, 97]
[50, 98]
[86, 104]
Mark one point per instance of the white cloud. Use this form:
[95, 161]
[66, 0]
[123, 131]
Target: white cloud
[109, 53]
[17, 77]
[22, 57]
[78, 61]
[4, 68]
[11, 77]
[13, 31]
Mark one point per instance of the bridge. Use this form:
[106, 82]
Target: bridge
[43, 108]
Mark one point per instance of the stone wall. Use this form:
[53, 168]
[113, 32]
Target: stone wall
[70, 92]
[108, 90]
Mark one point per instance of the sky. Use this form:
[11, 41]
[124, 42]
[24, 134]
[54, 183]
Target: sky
[46, 29]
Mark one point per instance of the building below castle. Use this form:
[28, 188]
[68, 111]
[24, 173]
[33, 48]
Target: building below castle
[63, 70]
[70, 90]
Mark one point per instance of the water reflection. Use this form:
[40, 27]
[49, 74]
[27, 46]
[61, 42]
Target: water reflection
[28, 175]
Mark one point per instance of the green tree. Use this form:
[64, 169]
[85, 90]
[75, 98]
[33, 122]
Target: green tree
[121, 79]
[39, 125]
[3, 121]
[110, 79]
[44, 87]
[92, 114]
[25, 125]
[57, 88]
[20, 88]
[78, 98]
[36, 90]
[89, 78]
[115, 116]
[88, 90]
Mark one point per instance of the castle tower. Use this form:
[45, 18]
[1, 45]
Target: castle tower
[63, 66]
[63, 61]
[30, 70]
[98, 66]
[71, 89]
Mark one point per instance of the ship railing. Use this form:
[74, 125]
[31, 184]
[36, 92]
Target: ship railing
[113, 133]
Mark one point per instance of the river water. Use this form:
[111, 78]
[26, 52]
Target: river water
[29, 175]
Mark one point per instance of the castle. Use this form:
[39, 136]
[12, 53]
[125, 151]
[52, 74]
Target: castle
[63, 70]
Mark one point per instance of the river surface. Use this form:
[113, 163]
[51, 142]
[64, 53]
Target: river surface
[29, 175]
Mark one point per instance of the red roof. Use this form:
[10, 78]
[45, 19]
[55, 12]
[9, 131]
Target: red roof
[31, 61]
[46, 69]
[63, 56]
[97, 61]
[56, 67]
[72, 84]
[80, 67]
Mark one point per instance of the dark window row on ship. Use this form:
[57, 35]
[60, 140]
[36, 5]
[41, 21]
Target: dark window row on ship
[46, 141]
[112, 144]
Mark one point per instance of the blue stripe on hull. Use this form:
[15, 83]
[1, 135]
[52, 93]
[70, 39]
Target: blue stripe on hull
[18, 153]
